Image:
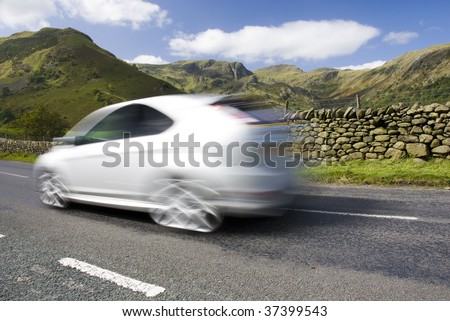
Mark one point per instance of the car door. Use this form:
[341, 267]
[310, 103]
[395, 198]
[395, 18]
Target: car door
[110, 159]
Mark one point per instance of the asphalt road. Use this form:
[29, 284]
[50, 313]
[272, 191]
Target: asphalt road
[338, 243]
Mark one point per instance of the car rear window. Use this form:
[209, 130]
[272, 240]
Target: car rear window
[262, 112]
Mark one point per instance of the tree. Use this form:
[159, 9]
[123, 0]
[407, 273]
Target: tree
[42, 122]
[6, 116]
[6, 91]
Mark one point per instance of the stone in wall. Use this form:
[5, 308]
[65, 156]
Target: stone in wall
[418, 150]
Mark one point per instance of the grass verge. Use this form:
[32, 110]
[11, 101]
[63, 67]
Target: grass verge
[405, 172]
[23, 157]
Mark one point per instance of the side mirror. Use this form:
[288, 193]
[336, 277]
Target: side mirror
[79, 140]
[69, 140]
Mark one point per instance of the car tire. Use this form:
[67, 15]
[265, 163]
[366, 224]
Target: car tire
[185, 205]
[52, 191]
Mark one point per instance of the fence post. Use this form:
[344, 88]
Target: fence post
[357, 101]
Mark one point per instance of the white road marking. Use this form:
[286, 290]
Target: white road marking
[149, 290]
[1, 235]
[395, 217]
[15, 175]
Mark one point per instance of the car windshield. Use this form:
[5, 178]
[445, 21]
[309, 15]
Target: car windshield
[88, 122]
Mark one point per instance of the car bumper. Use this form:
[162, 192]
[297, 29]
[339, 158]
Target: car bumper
[248, 204]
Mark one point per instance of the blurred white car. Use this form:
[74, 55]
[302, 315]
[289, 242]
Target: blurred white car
[189, 160]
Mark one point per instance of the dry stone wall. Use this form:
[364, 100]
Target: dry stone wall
[392, 132]
[11, 146]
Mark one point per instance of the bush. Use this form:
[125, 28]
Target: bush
[42, 123]
[6, 116]
[6, 91]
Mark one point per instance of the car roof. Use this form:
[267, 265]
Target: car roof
[189, 99]
[176, 102]
[171, 105]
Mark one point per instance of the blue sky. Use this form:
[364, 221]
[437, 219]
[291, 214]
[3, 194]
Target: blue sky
[309, 34]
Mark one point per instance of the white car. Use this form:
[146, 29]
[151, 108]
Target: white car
[188, 160]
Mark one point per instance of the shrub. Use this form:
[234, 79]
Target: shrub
[42, 123]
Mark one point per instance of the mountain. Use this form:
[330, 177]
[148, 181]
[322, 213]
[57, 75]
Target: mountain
[66, 71]
[202, 75]
[222, 77]
[419, 76]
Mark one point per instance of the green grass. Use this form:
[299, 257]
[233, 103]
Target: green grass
[399, 173]
[407, 172]
[6, 131]
[23, 157]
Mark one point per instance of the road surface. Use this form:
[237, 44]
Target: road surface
[336, 243]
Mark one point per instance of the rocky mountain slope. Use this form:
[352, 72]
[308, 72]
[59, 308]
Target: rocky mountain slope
[222, 77]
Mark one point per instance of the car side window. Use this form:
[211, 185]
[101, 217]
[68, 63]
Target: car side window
[137, 120]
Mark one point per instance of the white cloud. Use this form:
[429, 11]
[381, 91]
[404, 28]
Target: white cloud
[291, 41]
[116, 12]
[428, 27]
[367, 65]
[400, 38]
[29, 14]
[32, 14]
[148, 59]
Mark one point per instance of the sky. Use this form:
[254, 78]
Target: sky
[259, 33]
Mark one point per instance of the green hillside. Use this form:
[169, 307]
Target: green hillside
[64, 70]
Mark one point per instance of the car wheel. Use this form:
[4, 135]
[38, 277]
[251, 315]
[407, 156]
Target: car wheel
[52, 190]
[185, 205]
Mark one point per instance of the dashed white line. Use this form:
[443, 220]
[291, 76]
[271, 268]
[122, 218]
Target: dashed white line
[149, 290]
[394, 217]
[15, 175]
[1, 235]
